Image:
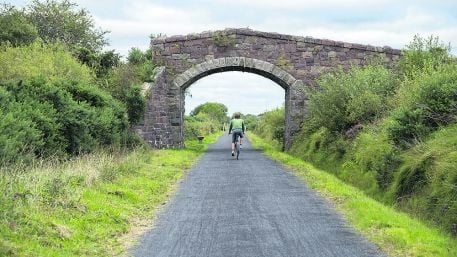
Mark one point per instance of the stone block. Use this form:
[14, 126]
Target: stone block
[180, 56]
[307, 55]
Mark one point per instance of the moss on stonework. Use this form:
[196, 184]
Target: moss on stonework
[223, 40]
[284, 63]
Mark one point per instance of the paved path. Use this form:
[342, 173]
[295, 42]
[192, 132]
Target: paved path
[251, 207]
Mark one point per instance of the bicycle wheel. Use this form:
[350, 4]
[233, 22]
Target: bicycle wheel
[237, 145]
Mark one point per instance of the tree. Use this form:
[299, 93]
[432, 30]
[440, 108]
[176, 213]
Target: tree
[216, 111]
[250, 120]
[15, 28]
[61, 21]
[136, 56]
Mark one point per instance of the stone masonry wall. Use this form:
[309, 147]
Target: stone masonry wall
[300, 60]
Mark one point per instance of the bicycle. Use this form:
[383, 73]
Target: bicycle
[237, 146]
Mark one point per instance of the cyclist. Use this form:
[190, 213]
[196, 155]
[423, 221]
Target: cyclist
[236, 128]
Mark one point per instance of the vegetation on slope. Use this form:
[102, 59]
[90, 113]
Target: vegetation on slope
[396, 233]
[389, 132]
[61, 95]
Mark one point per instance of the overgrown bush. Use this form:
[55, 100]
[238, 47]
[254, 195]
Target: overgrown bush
[200, 125]
[250, 121]
[51, 61]
[426, 182]
[347, 98]
[16, 29]
[48, 118]
[271, 125]
[431, 103]
[205, 119]
[422, 55]
[372, 159]
[405, 152]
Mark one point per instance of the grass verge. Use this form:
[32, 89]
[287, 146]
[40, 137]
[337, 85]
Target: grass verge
[85, 206]
[394, 232]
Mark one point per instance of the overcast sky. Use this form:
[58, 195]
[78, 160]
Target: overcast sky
[375, 22]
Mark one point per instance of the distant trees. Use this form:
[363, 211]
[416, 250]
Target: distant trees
[215, 111]
[271, 125]
[205, 119]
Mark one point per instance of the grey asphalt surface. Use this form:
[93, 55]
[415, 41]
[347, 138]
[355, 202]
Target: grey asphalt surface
[250, 207]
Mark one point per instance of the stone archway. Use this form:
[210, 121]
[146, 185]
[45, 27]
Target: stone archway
[294, 93]
[290, 61]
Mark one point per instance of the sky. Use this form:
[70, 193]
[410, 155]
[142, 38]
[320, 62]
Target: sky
[375, 22]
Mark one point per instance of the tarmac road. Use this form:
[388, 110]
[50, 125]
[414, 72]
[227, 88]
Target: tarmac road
[250, 207]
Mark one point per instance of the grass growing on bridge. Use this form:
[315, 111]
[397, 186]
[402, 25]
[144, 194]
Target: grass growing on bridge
[394, 232]
[86, 207]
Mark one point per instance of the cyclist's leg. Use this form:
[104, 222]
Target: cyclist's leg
[237, 143]
[233, 142]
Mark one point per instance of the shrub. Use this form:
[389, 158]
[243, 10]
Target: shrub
[422, 55]
[50, 61]
[373, 152]
[44, 118]
[431, 103]
[426, 182]
[250, 121]
[347, 98]
[136, 104]
[20, 136]
[214, 111]
[16, 29]
[271, 125]
[136, 56]
[200, 125]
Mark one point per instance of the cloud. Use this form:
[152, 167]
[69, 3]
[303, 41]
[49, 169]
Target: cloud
[395, 32]
[379, 23]
[245, 92]
[143, 18]
[294, 4]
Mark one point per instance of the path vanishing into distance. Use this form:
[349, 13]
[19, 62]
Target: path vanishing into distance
[250, 207]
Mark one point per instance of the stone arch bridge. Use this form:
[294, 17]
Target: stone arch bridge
[293, 62]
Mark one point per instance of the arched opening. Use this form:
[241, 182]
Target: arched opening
[244, 92]
[262, 68]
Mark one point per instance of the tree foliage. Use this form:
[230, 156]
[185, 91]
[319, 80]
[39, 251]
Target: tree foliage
[16, 29]
[205, 119]
[348, 98]
[250, 120]
[51, 61]
[271, 125]
[404, 153]
[62, 21]
[423, 55]
[54, 118]
[215, 111]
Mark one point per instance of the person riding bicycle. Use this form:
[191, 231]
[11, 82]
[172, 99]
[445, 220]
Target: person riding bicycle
[237, 129]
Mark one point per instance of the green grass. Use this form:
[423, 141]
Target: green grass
[86, 206]
[394, 232]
